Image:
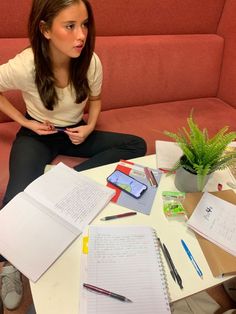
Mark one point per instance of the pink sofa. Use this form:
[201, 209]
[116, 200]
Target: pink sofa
[161, 58]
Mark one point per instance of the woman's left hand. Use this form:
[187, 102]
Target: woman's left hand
[78, 134]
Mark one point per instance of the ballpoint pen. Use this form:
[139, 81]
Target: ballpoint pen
[192, 259]
[167, 259]
[150, 176]
[176, 274]
[118, 216]
[106, 292]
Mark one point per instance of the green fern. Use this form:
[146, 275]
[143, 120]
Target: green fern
[203, 155]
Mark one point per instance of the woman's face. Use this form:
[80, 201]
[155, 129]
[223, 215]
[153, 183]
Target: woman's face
[68, 33]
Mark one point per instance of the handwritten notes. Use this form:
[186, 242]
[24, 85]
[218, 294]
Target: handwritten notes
[125, 260]
[215, 219]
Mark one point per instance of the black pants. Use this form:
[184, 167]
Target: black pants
[31, 152]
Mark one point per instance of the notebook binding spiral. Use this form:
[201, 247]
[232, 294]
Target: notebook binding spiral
[162, 272]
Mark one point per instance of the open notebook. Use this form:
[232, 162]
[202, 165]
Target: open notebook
[37, 225]
[125, 260]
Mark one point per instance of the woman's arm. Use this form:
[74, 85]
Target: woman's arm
[78, 135]
[94, 110]
[8, 109]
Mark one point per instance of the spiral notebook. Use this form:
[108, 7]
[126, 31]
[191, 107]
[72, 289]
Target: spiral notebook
[125, 260]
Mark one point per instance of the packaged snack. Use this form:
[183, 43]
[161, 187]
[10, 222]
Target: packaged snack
[172, 203]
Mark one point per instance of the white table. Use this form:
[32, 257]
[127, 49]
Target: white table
[57, 291]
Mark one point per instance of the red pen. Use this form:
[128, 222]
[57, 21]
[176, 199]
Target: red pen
[118, 216]
[150, 176]
[105, 292]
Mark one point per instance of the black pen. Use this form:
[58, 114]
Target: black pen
[177, 276]
[167, 259]
[106, 292]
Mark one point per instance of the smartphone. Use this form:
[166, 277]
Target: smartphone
[127, 183]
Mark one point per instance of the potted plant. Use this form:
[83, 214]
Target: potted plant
[201, 155]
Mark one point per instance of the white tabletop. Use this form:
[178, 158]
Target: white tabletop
[57, 291]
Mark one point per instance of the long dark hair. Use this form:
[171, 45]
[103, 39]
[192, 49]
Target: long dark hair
[47, 10]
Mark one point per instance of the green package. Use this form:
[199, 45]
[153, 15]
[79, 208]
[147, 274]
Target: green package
[172, 203]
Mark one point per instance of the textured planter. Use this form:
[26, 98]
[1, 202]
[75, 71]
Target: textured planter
[186, 181]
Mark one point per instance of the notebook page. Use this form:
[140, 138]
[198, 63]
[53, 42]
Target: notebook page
[70, 195]
[215, 219]
[125, 260]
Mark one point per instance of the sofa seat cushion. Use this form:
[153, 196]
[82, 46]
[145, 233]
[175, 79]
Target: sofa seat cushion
[148, 122]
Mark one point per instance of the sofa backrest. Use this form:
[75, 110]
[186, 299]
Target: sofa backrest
[152, 51]
[141, 70]
[156, 17]
[15, 14]
[227, 29]
[129, 17]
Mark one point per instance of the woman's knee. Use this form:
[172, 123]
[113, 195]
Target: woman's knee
[139, 145]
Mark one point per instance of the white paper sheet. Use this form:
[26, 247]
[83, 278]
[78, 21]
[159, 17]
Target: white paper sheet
[215, 219]
[167, 154]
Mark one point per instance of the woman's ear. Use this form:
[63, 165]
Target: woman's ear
[44, 29]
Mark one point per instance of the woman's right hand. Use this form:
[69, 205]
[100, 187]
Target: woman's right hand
[40, 128]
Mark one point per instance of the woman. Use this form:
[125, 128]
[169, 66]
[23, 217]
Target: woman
[58, 75]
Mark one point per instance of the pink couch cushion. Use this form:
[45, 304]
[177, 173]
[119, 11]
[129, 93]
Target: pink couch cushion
[9, 48]
[150, 121]
[152, 69]
[164, 17]
[14, 16]
[227, 29]
[139, 17]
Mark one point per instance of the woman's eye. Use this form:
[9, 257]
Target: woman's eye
[85, 24]
[70, 26]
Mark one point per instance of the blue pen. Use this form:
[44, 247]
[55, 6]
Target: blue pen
[192, 259]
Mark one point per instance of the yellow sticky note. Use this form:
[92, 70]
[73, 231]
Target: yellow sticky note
[85, 245]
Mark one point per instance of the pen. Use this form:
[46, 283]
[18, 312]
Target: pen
[106, 292]
[167, 259]
[150, 176]
[192, 259]
[59, 129]
[153, 178]
[176, 274]
[118, 216]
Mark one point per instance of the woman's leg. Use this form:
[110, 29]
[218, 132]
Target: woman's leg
[27, 161]
[107, 147]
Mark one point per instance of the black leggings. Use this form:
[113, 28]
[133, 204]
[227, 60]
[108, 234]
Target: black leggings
[31, 152]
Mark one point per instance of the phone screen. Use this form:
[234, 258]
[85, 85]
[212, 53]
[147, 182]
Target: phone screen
[127, 183]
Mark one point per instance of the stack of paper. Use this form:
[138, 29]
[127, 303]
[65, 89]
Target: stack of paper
[215, 220]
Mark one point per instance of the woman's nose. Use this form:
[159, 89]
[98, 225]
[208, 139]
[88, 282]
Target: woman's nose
[80, 33]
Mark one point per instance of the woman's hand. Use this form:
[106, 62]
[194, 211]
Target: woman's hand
[79, 134]
[40, 128]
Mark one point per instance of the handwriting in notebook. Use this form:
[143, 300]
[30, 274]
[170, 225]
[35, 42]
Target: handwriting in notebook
[125, 260]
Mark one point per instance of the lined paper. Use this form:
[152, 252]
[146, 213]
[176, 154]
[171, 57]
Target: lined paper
[125, 260]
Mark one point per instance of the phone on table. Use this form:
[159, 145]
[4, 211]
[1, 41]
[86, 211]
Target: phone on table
[127, 183]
